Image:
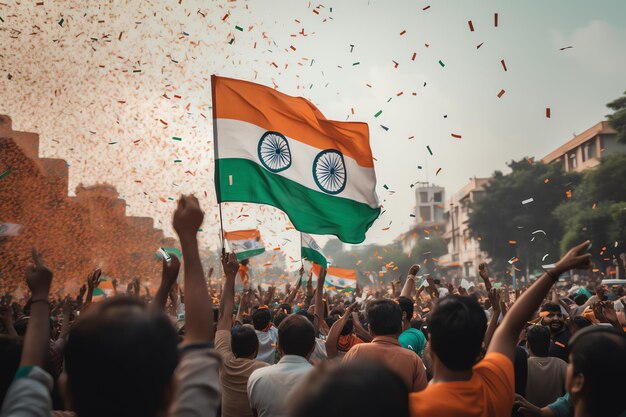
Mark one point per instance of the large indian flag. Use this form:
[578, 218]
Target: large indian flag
[271, 148]
[245, 243]
[337, 279]
[311, 251]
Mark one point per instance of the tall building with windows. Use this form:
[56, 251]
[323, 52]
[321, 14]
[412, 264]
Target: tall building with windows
[587, 149]
[428, 215]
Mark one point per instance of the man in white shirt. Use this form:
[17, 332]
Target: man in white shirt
[267, 334]
[269, 387]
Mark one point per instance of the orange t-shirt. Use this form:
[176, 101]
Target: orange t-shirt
[489, 393]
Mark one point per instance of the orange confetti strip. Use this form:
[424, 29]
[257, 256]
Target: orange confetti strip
[471, 25]
[403, 32]
[547, 112]
[503, 64]
[512, 242]
[501, 93]
[414, 55]
[454, 135]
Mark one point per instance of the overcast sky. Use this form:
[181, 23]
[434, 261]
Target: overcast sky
[107, 87]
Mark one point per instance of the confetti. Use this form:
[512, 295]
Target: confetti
[495, 19]
[178, 160]
[176, 138]
[471, 25]
[403, 32]
[414, 55]
[479, 45]
[429, 151]
[539, 231]
[239, 28]
[384, 127]
[529, 200]
[454, 135]
[512, 242]
[61, 22]
[567, 47]
[547, 112]
[385, 186]
[5, 173]
[503, 64]
[379, 113]
[501, 93]
[442, 64]
[438, 171]
[426, 8]
[544, 257]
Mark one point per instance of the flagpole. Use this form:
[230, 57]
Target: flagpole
[301, 260]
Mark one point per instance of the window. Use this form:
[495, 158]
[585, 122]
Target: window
[423, 196]
[437, 197]
[425, 213]
[591, 151]
[573, 162]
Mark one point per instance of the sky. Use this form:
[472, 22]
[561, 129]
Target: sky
[107, 87]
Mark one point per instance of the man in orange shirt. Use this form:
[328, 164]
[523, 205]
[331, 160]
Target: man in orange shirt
[462, 388]
[385, 324]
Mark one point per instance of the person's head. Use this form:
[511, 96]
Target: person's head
[552, 317]
[244, 342]
[278, 318]
[10, 355]
[296, 336]
[308, 315]
[285, 308]
[120, 360]
[338, 390]
[538, 340]
[348, 328]
[580, 322]
[384, 318]
[456, 330]
[261, 319]
[597, 361]
[580, 299]
[406, 305]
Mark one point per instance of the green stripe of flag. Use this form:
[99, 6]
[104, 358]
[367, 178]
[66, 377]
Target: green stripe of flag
[249, 254]
[314, 256]
[241, 180]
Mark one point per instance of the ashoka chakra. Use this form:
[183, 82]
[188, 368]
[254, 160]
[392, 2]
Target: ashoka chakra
[329, 171]
[274, 152]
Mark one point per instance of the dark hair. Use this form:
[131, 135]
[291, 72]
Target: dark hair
[278, 318]
[261, 317]
[417, 323]
[348, 328]
[538, 338]
[580, 299]
[120, 350]
[286, 307]
[457, 327]
[581, 322]
[406, 305]
[296, 336]
[384, 317]
[599, 354]
[551, 307]
[340, 391]
[10, 355]
[309, 316]
[244, 341]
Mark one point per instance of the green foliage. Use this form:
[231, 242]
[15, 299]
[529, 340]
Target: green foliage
[618, 119]
[499, 216]
[427, 249]
[597, 210]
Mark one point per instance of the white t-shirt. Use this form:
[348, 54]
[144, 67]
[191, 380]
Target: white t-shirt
[269, 387]
[267, 345]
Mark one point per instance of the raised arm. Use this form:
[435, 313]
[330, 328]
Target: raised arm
[294, 291]
[319, 300]
[505, 337]
[93, 280]
[230, 266]
[169, 275]
[483, 271]
[494, 297]
[198, 305]
[335, 331]
[36, 341]
[409, 284]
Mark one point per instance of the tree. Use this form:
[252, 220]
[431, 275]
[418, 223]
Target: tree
[617, 120]
[597, 210]
[507, 228]
[426, 251]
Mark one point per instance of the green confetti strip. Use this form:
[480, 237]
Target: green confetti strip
[379, 113]
[1, 19]
[176, 138]
[5, 173]
[200, 229]
[429, 151]
[61, 22]
[136, 70]
[356, 63]
[170, 198]
[178, 160]
[384, 127]
[239, 28]
[441, 63]
[385, 186]
[231, 41]
[389, 99]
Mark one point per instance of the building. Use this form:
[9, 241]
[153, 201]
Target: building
[464, 254]
[428, 215]
[76, 234]
[587, 149]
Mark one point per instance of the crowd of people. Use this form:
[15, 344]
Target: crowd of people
[417, 350]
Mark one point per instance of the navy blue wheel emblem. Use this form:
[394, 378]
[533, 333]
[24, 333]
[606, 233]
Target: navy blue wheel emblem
[329, 171]
[274, 152]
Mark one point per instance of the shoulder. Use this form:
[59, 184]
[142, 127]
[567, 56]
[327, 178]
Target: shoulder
[496, 371]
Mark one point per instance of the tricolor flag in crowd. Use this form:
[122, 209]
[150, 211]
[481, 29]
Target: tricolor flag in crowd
[271, 148]
[103, 290]
[337, 279]
[311, 251]
[245, 243]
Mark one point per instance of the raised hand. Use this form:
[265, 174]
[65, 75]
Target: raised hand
[170, 271]
[187, 217]
[93, 279]
[38, 277]
[494, 298]
[575, 258]
[483, 271]
[414, 269]
[230, 264]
